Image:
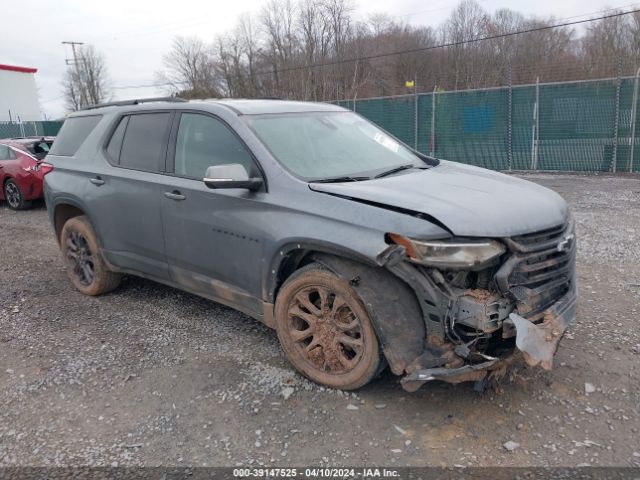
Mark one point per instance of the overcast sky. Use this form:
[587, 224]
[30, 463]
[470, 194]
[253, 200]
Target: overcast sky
[134, 34]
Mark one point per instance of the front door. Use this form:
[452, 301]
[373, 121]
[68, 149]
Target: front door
[210, 235]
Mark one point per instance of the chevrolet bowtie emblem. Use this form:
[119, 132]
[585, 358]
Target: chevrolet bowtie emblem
[564, 245]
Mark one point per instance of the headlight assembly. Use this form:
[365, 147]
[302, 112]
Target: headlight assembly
[454, 254]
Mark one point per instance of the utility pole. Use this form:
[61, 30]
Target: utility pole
[415, 111]
[78, 72]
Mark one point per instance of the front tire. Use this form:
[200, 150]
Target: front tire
[85, 267]
[13, 196]
[325, 330]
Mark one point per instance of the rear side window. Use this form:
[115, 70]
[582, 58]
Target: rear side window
[115, 144]
[144, 144]
[73, 133]
[39, 149]
[6, 153]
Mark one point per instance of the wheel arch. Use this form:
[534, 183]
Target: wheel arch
[65, 209]
[294, 255]
[4, 182]
[6, 179]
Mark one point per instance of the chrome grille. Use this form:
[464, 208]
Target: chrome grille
[536, 241]
[539, 269]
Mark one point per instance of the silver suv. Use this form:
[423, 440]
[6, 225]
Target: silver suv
[359, 251]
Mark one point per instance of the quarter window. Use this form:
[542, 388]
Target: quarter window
[115, 144]
[73, 133]
[204, 141]
[143, 147]
[6, 153]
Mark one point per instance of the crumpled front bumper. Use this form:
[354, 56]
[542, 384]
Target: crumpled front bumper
[535, 343]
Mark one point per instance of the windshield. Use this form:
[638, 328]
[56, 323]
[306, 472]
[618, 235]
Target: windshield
[327, 145]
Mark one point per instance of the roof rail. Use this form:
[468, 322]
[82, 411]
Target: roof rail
[136, 101]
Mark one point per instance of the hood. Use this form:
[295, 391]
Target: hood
[469, 201]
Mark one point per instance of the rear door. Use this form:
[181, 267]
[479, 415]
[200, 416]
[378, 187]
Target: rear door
[212, 244]
[124, 196]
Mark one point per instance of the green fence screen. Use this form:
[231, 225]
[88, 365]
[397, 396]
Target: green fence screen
[585, 126]
[28, 129]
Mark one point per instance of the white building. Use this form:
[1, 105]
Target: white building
[18, 94]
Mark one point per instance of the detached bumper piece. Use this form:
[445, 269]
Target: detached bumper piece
[539, 342]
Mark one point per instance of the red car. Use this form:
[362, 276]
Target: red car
[22, 169]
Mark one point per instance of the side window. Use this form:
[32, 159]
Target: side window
[5, 153]
[73, 133]
[143, 147]
[38, 149]
[115, 143]
[204, 141]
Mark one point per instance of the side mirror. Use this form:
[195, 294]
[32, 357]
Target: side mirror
[232, 175]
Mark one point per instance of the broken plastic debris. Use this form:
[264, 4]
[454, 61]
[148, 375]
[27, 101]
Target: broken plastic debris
[510, 445]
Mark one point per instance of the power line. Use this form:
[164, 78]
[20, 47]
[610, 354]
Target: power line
[150, 85]
[604, 10]
[52, 99]
[444, 45]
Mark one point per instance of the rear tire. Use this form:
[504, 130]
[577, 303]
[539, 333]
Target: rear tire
[13, 196]
[85, 267]
[325, 330]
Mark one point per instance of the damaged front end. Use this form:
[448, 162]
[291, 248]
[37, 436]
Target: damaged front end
[458, 324]
[480, 320]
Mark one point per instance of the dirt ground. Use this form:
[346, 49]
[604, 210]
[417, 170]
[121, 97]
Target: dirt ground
[148, 375]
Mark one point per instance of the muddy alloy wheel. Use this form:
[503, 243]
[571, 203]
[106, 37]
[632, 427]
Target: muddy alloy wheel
[13, 195]
[85, 267]
[80, 258]
[325, 330]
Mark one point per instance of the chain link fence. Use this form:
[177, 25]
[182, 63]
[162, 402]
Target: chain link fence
[28, 129]
[585, 126]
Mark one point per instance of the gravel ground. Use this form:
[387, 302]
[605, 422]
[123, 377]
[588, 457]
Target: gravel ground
[148, 375]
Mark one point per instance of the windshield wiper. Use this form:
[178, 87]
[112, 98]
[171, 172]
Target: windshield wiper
[394, 170]
[340, 179]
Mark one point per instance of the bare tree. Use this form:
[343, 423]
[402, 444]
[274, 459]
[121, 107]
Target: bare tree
[608, 41]
[634, 28]
[315, 40]
[87, 81]
[247, 34]
[190, 70]
[318, 50]
[278, 22]
[467, 22]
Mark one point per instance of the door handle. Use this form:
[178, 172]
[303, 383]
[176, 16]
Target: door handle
[175, 195]
[97, 181]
